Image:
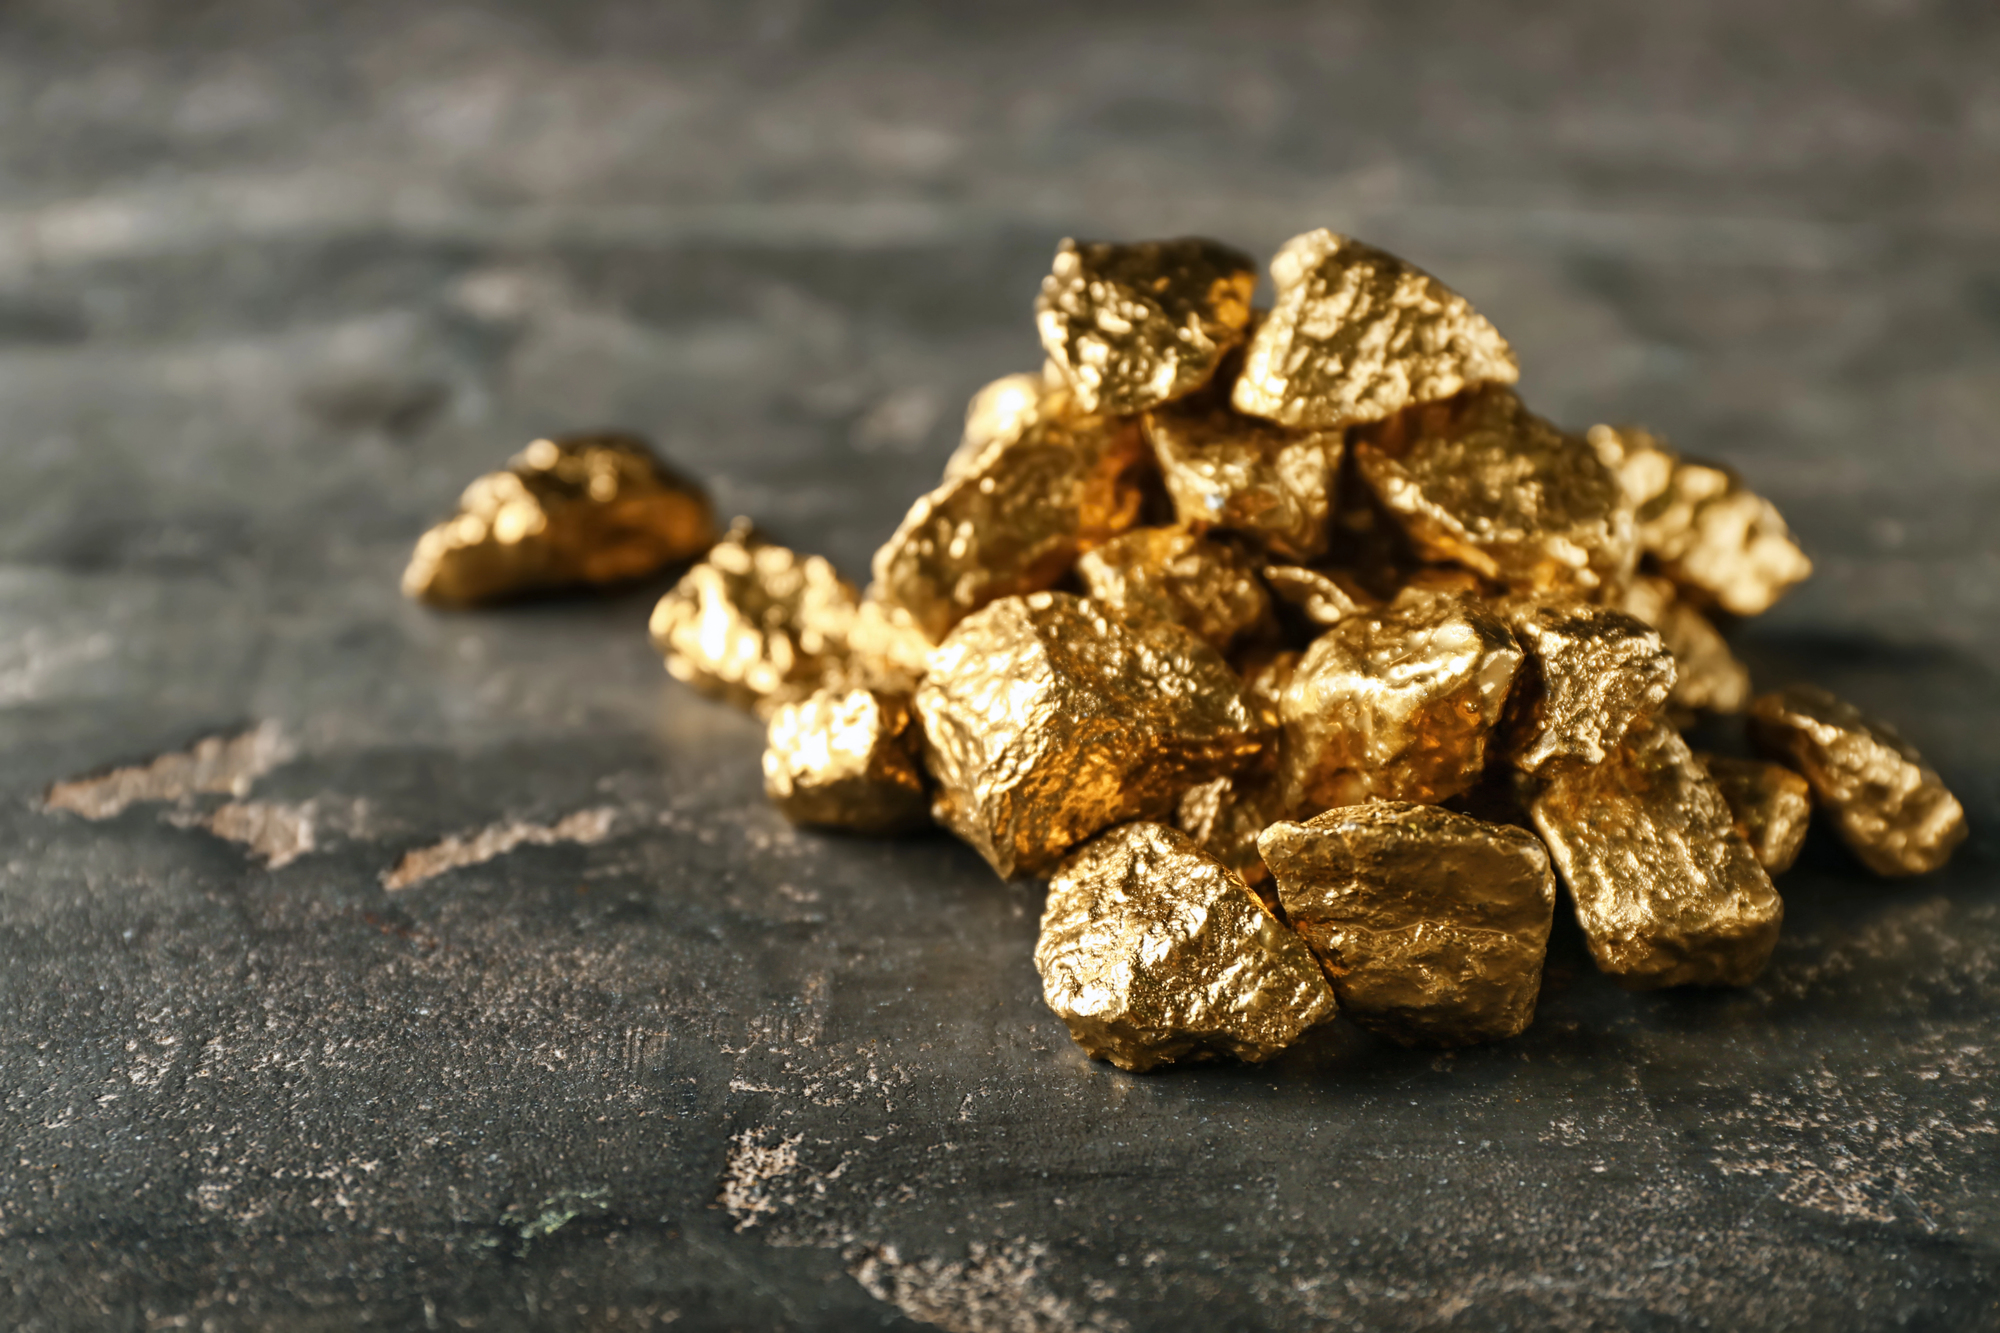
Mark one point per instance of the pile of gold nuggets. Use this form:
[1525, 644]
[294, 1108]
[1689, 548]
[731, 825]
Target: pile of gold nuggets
[1289, 644]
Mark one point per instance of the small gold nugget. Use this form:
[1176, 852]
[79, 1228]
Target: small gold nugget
[1003, 411]
[1592, 673]
[578, 509]
[1708, 678]
[1322, 599]
[1772, 805]
[1483, 482]
[846, 758]
[1046, 718]
[1173, 575]
[1226, 470]
[1357, 335]
[1396, 706]
[1667, 892]
[1151, 952]
[1433, 925]
[1891, 808]
[1224, 817]
[1133, 326]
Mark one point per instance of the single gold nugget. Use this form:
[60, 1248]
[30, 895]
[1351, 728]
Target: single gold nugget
[1432, 925]
[579, 509]
[1224, 817]
[1708, 678]
[1047, 718]
[1772, 805]
[1225, 470]
[754, 624]
[1133, 326]
[1173, 575]
[1891, 808]
[1357, 335]
[1591, 674]
[1320, 597]
[1666, 890]
[1003, 411]
[1483, 482]
[847, 759]
[1396, 706]
[1151, 953]
[1013, 521]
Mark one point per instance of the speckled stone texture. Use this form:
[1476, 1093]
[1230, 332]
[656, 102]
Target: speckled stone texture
[277, 280]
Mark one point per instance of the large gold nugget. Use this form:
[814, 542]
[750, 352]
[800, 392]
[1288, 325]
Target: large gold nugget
[1891, 808]
[1047, 718]
[1666, 890]
[1592, 672]
[1013, 521]
[1133, 326]
[1151, 953]
[1396, 706]
[579, 509]
[754, 624]
[1772, 805]
[1357, 335]
[1225, 470]
[1433, 925]
[847, 759]
[1708, 677]
[1173, 575]
[1485, 483]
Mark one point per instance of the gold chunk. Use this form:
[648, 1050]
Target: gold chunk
[1357, 335]
[1891, 808]
[1591, 673]
[1002, 412]
[1433, 925]
[1323, 598]
[1708, 678]
[846, 758]
[1225, 470]
[1173, 575]
[1772, 805]
[1667, 892]
[1396, 706]
[1224, 817]
[1133, 326]
[754, 624]
[884, 648]
[1014, 521]
[1047, 718]
[1485, 483]
[1153, 953]
[579, 509]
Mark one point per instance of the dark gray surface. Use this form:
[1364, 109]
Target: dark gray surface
[276, 280]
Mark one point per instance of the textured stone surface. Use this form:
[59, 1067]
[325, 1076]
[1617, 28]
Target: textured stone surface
[276, 281]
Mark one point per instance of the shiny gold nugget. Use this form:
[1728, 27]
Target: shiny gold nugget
[1890, 807]
[1667, 892]
[1772, 805]
[1357, 335]
[1592, 672]
[1133, 326]
[1224, 470]
[1433, 925]
[1151, 953]
[579, 509]
[1002, 412]
[1708, 678]
[1046, 718]
[847, 759]
[1173, 575]
[1320, 597]
[1224, 817]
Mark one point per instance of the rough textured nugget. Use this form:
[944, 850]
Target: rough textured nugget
[1432, 925]
[1151, 952]
[1772, 805]
[1356, 335]
[1890, 807]
[1173, 575]
[1322, 598]
[754, 624]
[1224, 817]
[883, 648]
[1003, 411]
[1225, 470]
[1133, 326]
[1483, 482]
[1708, 678]
[1047, 718]
[1014, 521]
[1591, 673]
[1396, 706]
[846, 759]
[579, 509]
[1667, 892]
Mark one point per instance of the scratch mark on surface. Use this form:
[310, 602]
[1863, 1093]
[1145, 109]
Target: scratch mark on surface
[214, 764]
[995, 1289]
[585, 826]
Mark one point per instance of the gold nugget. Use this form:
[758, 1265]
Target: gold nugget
[1224, 817]
[1708, 678]
[1225, 470]
[1133, 326]
[1666, 890]
[846, 758]
[1002, 412]
[1431, 924]
[1592, 673]
[1323, 599]
[1046, 718]
[1153, 953]
[1173, 575]
[579, 509]
[1772, 805]
[1357, 335]
[1891, 808]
